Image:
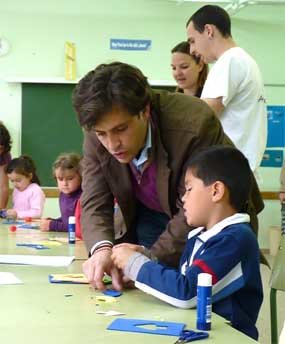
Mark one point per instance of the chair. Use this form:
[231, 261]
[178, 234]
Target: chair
[277, 281]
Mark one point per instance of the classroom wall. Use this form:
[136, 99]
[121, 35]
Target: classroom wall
[37, 32]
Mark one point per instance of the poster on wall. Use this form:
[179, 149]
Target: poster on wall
[130, 44]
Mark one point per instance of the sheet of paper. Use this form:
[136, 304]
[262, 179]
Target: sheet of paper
[36, 260]
[9, 278]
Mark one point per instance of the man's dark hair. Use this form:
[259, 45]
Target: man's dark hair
[227, 165]
[211, 14]
[109, 86]
[5, 138]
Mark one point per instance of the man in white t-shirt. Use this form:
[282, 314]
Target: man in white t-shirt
[234, 86]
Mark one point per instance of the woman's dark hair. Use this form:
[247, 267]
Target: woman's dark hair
[228, 165]
[5, 138]
[114, 85]
[23, 165]
[184, 48]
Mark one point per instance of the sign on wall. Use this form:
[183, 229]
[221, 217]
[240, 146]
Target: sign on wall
[130, 44]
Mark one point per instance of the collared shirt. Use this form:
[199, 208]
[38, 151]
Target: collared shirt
[138, 163]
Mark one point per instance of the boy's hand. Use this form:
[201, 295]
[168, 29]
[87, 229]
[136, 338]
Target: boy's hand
[121, 254]
[11, 213]
[44, 224]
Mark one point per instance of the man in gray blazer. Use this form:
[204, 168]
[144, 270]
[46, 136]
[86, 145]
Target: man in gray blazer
[136, 145]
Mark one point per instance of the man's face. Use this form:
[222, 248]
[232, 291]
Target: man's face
[199, 43]
[123, 134]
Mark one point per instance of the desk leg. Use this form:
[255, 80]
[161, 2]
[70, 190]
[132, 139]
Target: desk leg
[273, 317]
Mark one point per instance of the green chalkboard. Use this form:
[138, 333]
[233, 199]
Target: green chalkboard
[49, 126]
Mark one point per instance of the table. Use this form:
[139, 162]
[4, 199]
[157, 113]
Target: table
[38, 312]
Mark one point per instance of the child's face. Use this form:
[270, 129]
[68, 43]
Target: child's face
[20, 181]
[197, 201]
[68, 181]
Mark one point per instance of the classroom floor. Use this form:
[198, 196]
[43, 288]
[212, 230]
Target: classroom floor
[263, 322]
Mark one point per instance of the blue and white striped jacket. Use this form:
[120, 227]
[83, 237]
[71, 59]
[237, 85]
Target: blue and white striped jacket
[229, 252]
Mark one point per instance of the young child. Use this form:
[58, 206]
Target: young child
[5, 158]
[28, 197]
[67, 172]
[217, 183]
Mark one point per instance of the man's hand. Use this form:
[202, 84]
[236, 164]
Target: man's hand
[98, 264]
[136, 248]
[44, 224]
[282, 197]
[216, 104]
[121, 254]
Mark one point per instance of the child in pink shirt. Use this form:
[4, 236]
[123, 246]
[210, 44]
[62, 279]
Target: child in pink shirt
[28, 197]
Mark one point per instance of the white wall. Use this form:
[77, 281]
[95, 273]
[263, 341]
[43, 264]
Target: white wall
[38, 30]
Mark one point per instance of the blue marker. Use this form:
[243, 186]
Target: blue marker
[204, 301]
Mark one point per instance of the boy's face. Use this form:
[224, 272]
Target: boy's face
[197, 201]
[68, 181]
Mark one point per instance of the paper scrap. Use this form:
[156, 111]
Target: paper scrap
[9, 278]
[36, 260]
[107, 299]
[110, 313]
[112, 292]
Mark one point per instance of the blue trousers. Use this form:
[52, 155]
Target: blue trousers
[149, 225]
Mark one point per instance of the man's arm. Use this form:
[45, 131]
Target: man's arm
[97, 214]
[97, 201]
[4, 188]
[216, 104]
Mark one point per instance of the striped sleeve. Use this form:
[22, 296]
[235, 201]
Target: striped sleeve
[221, 258]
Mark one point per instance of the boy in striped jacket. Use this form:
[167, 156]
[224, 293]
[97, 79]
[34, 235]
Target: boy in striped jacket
[217, 184]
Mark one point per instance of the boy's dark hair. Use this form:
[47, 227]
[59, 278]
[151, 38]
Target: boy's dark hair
[114, 85]
[184, 48]
[23, 165]
[5, 138]
[211, 14]
[228, 165]
[68, 161]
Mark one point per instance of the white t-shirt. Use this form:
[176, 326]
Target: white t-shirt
[236, 78]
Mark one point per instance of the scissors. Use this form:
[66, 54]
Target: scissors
[189, 336]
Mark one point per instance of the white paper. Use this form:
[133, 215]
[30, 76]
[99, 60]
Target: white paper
[9, 278]
[36, 260]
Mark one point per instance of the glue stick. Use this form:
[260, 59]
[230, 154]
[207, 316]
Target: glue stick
[71, 229]
[204, 302]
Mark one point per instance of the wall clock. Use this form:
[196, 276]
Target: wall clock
[4, 46]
